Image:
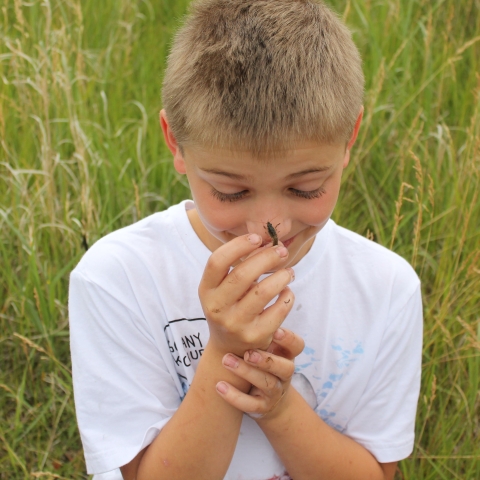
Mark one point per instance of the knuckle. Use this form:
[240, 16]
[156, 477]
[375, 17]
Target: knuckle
[236, 276]
[290, 369]
[214, 262]
[286, 277]
[212, 307]
[264, 293]
[259, 289]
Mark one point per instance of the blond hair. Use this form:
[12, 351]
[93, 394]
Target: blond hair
[262, 75]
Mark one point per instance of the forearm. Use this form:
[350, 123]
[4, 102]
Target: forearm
[200, 439]
[310, 449]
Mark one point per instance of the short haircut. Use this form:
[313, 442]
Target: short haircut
[262, 75]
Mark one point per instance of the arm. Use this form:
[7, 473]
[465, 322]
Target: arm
[308, 447]
[297, 432]
[199, 440]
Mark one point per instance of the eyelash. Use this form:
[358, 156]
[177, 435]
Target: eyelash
[233, 197]
[228, 197]
[309, 195]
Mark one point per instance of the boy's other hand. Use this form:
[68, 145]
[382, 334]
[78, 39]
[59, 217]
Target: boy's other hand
[286, 344]
[269, 374]
[235, 304]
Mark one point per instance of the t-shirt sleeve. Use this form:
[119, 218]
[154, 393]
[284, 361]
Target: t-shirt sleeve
[390, 399]
[124, 391]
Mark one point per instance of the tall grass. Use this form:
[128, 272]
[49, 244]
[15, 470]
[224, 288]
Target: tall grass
[81, 154]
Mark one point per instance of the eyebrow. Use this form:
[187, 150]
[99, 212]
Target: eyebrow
[309, 170]
[236, 176]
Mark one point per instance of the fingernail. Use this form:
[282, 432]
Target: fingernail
[222, 387]
[254, 238]
[252, 356]
[292, 273]
[282, 251]
[279, 334]
[230, 361]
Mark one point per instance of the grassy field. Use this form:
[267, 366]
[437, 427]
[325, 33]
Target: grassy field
[81, 155]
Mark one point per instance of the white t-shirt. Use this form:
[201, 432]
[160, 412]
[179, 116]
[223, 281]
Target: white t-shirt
[138, 332]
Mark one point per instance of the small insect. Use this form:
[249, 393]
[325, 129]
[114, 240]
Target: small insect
[273, 233]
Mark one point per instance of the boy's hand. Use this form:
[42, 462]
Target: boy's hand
[234, 304]
[269, 374]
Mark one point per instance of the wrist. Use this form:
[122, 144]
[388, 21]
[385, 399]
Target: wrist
[222, 346]
[213, 360]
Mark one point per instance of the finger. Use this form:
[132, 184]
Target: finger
[249, 289]
[264, 380]
[263, 383]
[256, 404]
[263, 247]
[271, 319]
[279, 367]
[221, 260]
[286, 344]
[265, 291]
[235, 284]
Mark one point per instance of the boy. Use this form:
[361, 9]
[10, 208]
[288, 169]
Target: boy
[184, 330]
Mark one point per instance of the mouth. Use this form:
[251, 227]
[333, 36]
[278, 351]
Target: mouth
[288, 242]
[285, 243]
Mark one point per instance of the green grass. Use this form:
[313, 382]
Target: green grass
[81, 154]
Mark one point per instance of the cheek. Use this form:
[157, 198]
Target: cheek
[218, 217]
[317, 212]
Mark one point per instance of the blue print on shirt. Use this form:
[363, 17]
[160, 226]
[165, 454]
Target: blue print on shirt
[347, 356]
[343, 357]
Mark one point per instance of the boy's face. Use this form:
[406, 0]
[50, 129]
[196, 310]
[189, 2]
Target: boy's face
[235, 193]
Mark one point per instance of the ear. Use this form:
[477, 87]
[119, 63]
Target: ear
[173, 146]
[353, 138]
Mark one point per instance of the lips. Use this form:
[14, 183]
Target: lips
[288, 242]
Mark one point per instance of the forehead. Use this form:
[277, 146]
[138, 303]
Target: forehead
[241, 163]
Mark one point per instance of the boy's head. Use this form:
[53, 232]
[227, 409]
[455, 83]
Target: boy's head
[279, 80]
[262, 75]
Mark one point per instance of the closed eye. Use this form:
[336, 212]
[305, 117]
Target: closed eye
[228, 197]
[309, 195]
[233, 197]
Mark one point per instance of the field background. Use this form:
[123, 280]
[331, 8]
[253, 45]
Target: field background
[81, 154]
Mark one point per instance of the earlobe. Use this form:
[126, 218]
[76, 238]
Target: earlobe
[179, 163]
[173, 146]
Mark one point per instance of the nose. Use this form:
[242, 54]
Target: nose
[281, 226]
